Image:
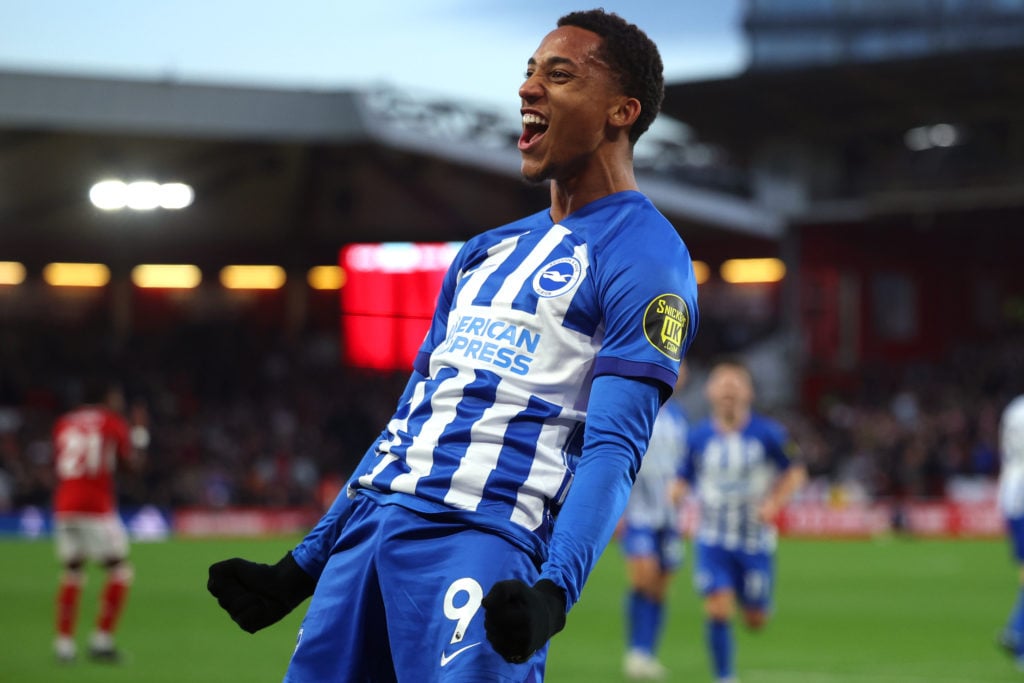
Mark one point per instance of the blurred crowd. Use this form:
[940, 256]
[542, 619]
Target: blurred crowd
[910, 431]
[237, 416]
[241, 416]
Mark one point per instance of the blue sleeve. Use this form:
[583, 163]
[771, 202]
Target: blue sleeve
[648, 304]
[780, 446]
[694, 445]
[312, 552]
[688, 469]
[620, 417]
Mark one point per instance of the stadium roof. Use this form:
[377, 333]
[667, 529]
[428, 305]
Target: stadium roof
[829, 103]
[290, 173]
[851, 124]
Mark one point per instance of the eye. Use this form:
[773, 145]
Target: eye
[528, 73]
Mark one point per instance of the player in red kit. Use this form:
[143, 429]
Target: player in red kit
[90, 442]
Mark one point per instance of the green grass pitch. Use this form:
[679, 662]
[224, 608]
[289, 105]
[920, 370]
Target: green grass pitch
[885, 611]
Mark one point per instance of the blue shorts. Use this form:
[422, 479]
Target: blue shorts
[1015, 530]
[751, 576]
[399, 600]
[665, 544]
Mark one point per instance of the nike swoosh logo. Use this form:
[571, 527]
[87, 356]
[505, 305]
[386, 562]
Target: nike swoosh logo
[447, 658]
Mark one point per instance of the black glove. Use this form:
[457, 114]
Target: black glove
[519, 619]
[258, 595]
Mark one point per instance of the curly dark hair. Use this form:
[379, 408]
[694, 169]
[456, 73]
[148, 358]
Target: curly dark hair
[632, 56]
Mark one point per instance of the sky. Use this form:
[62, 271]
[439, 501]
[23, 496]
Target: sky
[474, 50]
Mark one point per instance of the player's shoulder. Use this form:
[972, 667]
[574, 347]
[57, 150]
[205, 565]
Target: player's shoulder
[95, 417]
[762, 421]
[765, 427]
[635, 252]
[621, 219]
[114, 418]
[82, 414]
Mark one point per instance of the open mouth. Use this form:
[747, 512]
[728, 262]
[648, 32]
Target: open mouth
[534, 127]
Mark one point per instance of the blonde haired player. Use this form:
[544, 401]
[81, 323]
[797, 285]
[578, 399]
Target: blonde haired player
[742, 468]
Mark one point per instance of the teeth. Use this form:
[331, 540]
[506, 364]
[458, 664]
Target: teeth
[534, 120]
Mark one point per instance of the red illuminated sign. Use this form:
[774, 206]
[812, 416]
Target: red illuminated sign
[388, 300]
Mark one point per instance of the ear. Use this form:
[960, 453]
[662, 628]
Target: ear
[624, 113]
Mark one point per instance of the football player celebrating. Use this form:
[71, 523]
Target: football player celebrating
[472, 523]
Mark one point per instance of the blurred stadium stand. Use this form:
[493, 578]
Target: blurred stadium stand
[876, 147]
[887, 139]
[898, 173]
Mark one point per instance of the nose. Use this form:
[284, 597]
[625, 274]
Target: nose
[530, 90]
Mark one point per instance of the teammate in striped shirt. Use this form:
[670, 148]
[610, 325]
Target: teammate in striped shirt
[740, 466]
[1011, 504]
[652, 542]
[90, 443]
[472, 523]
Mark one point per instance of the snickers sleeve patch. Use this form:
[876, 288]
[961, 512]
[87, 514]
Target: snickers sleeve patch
[666, 321]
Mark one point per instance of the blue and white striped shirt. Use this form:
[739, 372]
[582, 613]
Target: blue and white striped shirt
[528, 315]
[649, 503]
[732, 473]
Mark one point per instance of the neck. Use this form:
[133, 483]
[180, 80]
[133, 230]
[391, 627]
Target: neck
[601, 177]
[731, 422]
